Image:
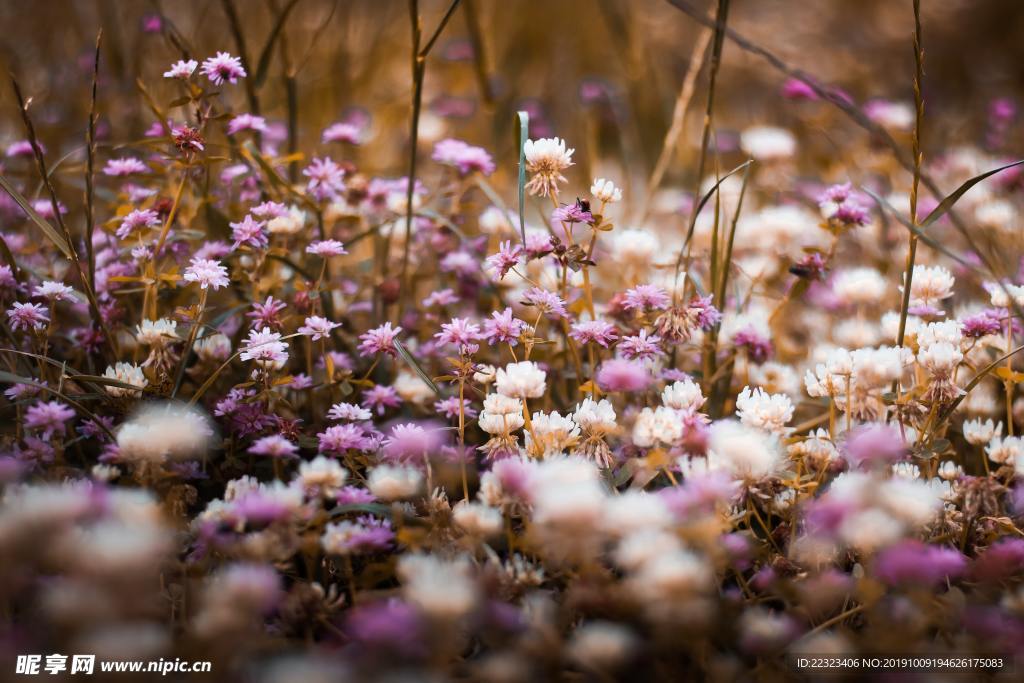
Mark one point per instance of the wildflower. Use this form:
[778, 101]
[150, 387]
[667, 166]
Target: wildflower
[594, 331]
[250, 233]
[572, 213]
[348, 411]
[207, 273]
[940, 360]
[623, 375]
[182, 69]
[137, 219]
[546, 158]
[744, 452]
[157, 332]
[506, 258]
[464, 157]
[342, 132]
[265, 348]
[657, 427]
[126, 373]
[380, 398]
[389, 482]
[188, 139]
[223, 67]
[318, 328]
[640, 346]
[274, 446]
[379, 340]
[48, 418]
[365, 535]
[546, 302]
[241, 122]
[683, 395]
[915, 564]
[409, 441]
[462, 333]
[521, 380]
[452, 406]
[796, 89]
[267, 314]
[929, 286]
[338, 439]
[605, 191]
[597, 420]
[840, 205]
[552, 434]
[325, 179]
[326, 248]
[27, 316]
[124, 166]
[1005, 450]
[23, 148]
[981, 325]
[442, 297]
[646, 298]
[54, 291]
[503, 328]
[767, 143]
[288, 223]
[477, 519]
[322, 476]
[1002, 293]
[770, 412]
[977, 432]
[538, 244]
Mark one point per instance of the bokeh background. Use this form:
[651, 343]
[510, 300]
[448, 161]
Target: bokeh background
[603, 73]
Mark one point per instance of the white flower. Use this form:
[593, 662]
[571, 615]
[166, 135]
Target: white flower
[215, 347]
[288, 223]
[127, 373]
[389, 482]
[546, 159]
[1005, 450]
[161, 432]
[521, 380]
[768, 143]
[745, 452]
[859, 286]
[477, 519]
[595, 417]
[494, 221]
[683, 395]
[930, 285]
[157, 333]
[552, 434]
[322, 474]
[660, 426]
[444, 590]
[634, 246]
[181, 69]
[945, 331]
[412, 388]
[605, 191]
[998, 294]
[485, 374]
[940, 359]
[977, 432]
[770, 412]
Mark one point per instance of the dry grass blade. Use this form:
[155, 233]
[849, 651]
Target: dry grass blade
[263, 65]
[38, 220]
[417, 368]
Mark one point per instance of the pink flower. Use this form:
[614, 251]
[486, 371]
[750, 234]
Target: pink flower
[54, 291]
[505, 260]
[348, 411]
[548, 302]
[462, 333]
[266, 314]
[27, 316]
[223, 67]
[22, 148]
[449, 407]
[265, 348]
[181, 69]
[503, 328]
[646, 298]
[325, 179]
[207, 273]
[640, 346]
[326, 248]
[124, 166]
[623, 375]
[379, 340]
[338, 439]
[318, 328]
[138, 219]
[380, 398]
[464, 157]
[249, 232]
[594, 331]
[410, 441]
[443, 297]
[274, 446]
[242, 122]
[343, 132]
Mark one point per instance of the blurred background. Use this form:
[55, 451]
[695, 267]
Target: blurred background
[604, 74]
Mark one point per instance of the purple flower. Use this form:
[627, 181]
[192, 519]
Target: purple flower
[23, 148]
[223, 67]
[875, 443]
[247, 122]
[379, 340]
[207, 273]
[594, 331]
[538, 244]
[274, 446]
[503, 328]
[758, 348]
[703, 313]
[266, 314]
[326, 248]
[462, 333]
[623, 375]
[912, 563]
[380, 398]
[49, 418]
[464, 157]
[337, 439]
[640, 346]
[981, 324]
[547, 302]
[505, 259]
[249, 232]
[449, 407]
[410, 441]
[1000, 561]
[795, 89]
[572, 213]
[343, 132]
[27, 316]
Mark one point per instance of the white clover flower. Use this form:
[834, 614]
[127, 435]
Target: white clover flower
[635, 246]
[161, 432]
[940, 359]
[157, 333]
[683, 395]
[930, 285]
[657, 427]
[595, 417]
[768, 143]
[552, 434]
[859, 286]
[477, 519]
[745, 452]
[546, 158]
[605, 191]
[444, 590]
[977, 432]
[127, 373]
[945, 331]
[770, 412]
[1005, 450]
[389, 482]
[322, 474]
[1000, 295]
[289, 223]
[521, 380]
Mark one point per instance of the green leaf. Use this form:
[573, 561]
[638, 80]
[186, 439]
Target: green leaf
[47, 229]
[414, 364]
[946, 204]
[523, 132]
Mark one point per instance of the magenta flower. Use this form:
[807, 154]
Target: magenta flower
[646, 298]
[49, 418]
[640, 346]
[449, 407]
[338, 439]
[505, 259]
[462, 333]
[410, 441]
[464, 157]
[267, 314]
[343, 132]
[623, 375]
[443, 297]
[380, 398]
[915, 564]
[223, 67]
[22, 148]
[325, 179]
[547, 302]
[27, 316]
[379, 340]
[257, 124]
[326, 248]
[981, 324]
[268, 210]
[572, 213]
